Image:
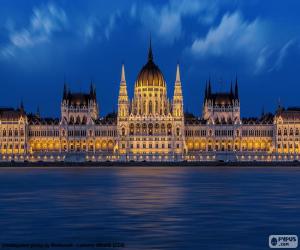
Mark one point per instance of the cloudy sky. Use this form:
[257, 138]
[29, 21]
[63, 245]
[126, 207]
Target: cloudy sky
[44, 42]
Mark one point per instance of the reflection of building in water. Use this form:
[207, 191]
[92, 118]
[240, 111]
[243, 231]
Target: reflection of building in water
[150, 127]
[146, 191]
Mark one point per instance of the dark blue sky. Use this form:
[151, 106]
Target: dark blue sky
[41, 42]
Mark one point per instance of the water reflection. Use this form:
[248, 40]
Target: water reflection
[143, 190]
[150, 208]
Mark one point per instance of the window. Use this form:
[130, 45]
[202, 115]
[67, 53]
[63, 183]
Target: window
[131, 129]
[169, 127]
[150, 127]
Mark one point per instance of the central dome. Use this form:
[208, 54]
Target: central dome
[150, 75]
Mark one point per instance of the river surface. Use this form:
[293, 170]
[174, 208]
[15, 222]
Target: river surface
[148, 207]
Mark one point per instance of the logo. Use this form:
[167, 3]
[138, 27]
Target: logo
[283, 241]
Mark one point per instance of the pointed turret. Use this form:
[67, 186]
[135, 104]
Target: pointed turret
[150, 54]
[22, 107]
[94, 93]
[178, 99]
[123, 79]
[178, 74]
[65, 91]
[236, 89]
[123, 103]
[123, 85]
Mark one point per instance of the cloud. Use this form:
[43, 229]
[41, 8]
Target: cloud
[111, 24]
[90, 29]
[133, 11]
[44, 22]
[233, 37]
[282, 54]
[166, 21]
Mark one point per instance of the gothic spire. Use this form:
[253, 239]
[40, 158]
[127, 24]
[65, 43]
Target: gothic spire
[123, 80]
[150, 54]
[177, 98]
[236, 90]
[178, 74]
[22, 106]
[94, 93]
[65, 92]
[123, 86]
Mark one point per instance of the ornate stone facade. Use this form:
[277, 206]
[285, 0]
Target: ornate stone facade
[150, 127]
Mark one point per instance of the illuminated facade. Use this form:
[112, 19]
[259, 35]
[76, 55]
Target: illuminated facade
[150, 127]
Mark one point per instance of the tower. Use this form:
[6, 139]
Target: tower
[178, 118]
[177, 98]
[123, 113]
[123, 103]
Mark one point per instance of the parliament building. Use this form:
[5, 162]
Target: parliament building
[150, 127]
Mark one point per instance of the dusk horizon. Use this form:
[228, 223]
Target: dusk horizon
[45, 43]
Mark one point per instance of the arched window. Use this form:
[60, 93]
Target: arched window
[131, 129]
[150, 129]
[177, 131]
[138, 128]
[4, 132]
[297, 131]
[163, 129]
[84, 120]
[291, 132]
[144, 127]
[123, 131]
[71, 120]
[279, 131]
[285, 132]
[16, 132]
[156, 128]
[78, 120]
[144, 107]
[150, 107]
[169, 127]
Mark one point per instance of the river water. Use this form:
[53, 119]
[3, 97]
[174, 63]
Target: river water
[148, 207]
